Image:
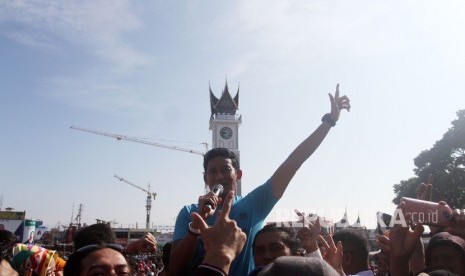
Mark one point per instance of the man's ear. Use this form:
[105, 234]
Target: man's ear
[205, 178]
[347, 258]
[239, 174]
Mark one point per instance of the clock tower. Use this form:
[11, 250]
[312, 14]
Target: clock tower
[224, 123]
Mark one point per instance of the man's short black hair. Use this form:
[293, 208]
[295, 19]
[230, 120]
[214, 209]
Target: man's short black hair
[290, 239]
[99, 234]
[94, 234]
[354, 238]
[220, 152]
[73, 266]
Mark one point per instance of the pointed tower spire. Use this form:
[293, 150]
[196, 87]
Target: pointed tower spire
[344, 222]
[357, 224]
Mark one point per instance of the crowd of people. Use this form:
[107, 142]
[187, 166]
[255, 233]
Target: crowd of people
[96, 252]
[223, 234]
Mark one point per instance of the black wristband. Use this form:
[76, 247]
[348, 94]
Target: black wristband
[327, 119]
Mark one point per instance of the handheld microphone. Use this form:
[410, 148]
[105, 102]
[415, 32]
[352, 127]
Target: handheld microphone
[217, 190]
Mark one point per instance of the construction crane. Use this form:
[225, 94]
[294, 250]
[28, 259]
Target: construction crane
[76, 220]
[139, 140]
[150, 195]
[143, 141]
[79, 215]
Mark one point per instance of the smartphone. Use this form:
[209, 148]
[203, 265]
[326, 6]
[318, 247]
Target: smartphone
[427, 212]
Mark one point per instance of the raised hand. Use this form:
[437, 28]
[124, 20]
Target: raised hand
[211, 199]
[308, 234]
[332, 253]
[224, 240]
[338, 103]
[400, 243]
[147, 243]
[458, 227]
[424, 190]
[403, 241]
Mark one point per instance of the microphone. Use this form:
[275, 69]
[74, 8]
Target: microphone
[217, 190]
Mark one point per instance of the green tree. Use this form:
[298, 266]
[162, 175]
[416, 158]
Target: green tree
[445, 161]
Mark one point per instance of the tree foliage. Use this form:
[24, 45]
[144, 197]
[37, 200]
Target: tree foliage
[445, 161]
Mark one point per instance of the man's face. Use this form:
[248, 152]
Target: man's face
[447, 257]
[269, 246]
[221, 171]
[104, 261]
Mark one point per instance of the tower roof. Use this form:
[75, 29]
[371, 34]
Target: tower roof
[344, 222]
[357, 224]
[225, 105]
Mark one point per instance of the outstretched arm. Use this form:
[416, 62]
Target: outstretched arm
[289, 167]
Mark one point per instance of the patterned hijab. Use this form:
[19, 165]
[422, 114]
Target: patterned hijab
[29, 259]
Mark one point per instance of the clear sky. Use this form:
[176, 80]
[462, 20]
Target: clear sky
[143, 68]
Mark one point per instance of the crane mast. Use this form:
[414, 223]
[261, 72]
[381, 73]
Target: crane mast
[139, 140]
[150, 195]
[79, 215]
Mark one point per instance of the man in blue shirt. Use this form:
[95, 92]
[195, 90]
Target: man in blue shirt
[221, 166]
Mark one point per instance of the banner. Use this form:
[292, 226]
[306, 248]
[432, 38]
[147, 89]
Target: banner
[29, 231]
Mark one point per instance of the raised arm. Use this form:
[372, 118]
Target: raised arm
[401, 243]
[147, 243]
[289, 167]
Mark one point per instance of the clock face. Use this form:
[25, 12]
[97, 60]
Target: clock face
[226, 133]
